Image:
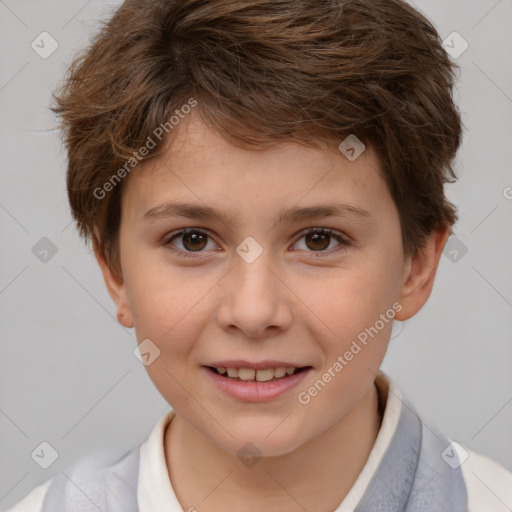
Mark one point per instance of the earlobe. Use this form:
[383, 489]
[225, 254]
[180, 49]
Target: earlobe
[116, 288]
[419, 274]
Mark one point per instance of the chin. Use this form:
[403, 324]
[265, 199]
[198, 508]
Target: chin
[261, 441]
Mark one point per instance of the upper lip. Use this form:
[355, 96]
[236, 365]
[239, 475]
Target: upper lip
[259, 365]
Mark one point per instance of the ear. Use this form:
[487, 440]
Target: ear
[419, 273]
[116, 288]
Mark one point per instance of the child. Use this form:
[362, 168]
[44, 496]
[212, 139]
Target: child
[262, 182]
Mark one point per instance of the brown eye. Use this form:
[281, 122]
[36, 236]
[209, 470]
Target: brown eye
[318, 241]
[189, 241]
[194, 241]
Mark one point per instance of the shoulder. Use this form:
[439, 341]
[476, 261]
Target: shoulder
[488, 484]
[95, 476]
[33, 502]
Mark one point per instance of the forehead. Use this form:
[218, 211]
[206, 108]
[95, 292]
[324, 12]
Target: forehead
[200, 167]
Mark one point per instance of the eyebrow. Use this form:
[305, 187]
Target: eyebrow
[295, 214]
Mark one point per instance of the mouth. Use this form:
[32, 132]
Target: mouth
[251, 374]
[256, 382]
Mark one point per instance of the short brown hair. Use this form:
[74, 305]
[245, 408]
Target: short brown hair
[262, 72]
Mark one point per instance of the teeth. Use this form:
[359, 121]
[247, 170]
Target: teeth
[279, 372]
[258, 375]
[245, 373]
[232, 372]
[264, 375]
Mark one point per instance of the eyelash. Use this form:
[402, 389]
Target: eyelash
[196, 254]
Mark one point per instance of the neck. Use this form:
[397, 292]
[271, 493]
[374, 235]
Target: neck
[315, 476]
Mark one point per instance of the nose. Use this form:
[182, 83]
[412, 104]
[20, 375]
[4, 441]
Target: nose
[255, 299]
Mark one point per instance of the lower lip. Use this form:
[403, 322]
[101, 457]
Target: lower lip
[254, 391]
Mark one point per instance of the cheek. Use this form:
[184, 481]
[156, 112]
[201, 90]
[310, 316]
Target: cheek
[170, 309]
[162, 296]
[354, 332]
[351, 299]
[354, 317]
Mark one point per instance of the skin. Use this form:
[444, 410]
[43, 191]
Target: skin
[299, 301]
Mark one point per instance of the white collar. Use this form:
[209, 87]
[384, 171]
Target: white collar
[155, 491]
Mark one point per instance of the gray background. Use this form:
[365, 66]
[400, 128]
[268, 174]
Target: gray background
[68, 375]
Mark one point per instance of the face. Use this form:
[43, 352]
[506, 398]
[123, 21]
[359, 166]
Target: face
[278, 258]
